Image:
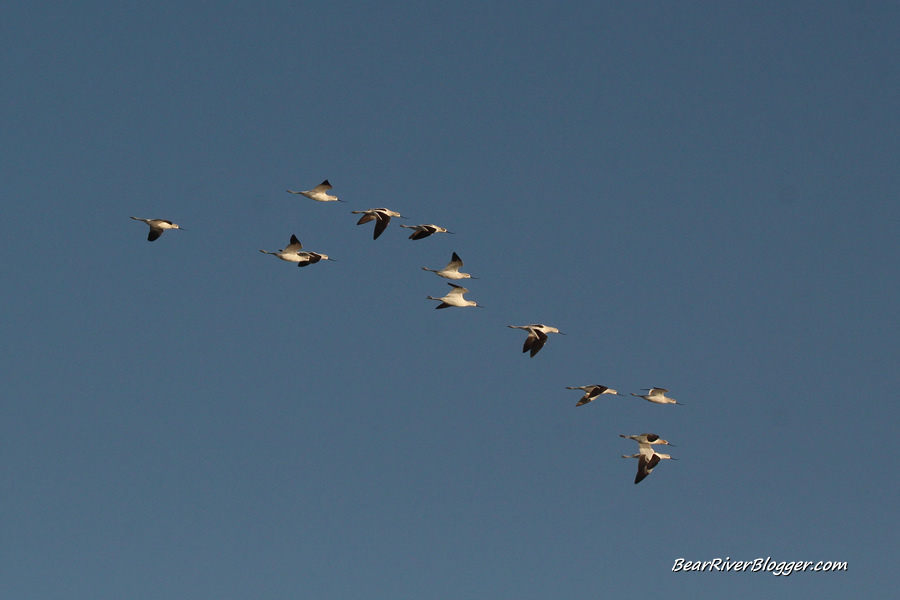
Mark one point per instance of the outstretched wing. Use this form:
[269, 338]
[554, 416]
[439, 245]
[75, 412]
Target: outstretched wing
[457, 290]
[645, 466]
[380, 225]
[585, 399]
[294, 247]
[538, 341]
[529, 341]
[591, 394]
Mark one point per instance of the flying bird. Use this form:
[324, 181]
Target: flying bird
[537, 336]
[381, 216]
[157, 227]
[455, 298]
[657, 396]
[451, 271]
[294, 253]
[592, 392]
[423, 231]
[319, 193]
[648, 458]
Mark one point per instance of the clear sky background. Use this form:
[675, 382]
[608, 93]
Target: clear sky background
[702, 195]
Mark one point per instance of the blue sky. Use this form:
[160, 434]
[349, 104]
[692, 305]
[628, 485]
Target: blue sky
[701, 195]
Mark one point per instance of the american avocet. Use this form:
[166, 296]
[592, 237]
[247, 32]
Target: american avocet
[657, 395]
[592, 392]
[423, 231]
[319, 193]
[647, 438]
[382, 217]
[294, 253]
[647, 459]
[157, 227]
[537, 336]
[455, 298]
[451, 271]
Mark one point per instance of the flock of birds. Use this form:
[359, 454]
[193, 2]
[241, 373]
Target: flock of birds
[647, 456]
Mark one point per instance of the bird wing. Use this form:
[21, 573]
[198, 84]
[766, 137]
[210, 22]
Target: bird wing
[530, 340]
[457, 290]
[537, 342]
[322, 187]
[645, 466]
[585, 399]
[154, 234]
[294, 247]
[454, 264]
[641, 474]
[312, 257]
[368, 216]
[381, 224]
[595, 391]
[422, 231]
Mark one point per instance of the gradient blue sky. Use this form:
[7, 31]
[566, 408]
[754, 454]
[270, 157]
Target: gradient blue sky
[702, 195]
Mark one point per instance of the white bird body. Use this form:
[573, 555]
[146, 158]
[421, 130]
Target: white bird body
[592, 392]
[537, 336]
[319, 193]
[381, 216]
[423, 231]
[294, 253]
[648, 458]
[455, 298]
[657, 396]
[157, 227]
[451, 271]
